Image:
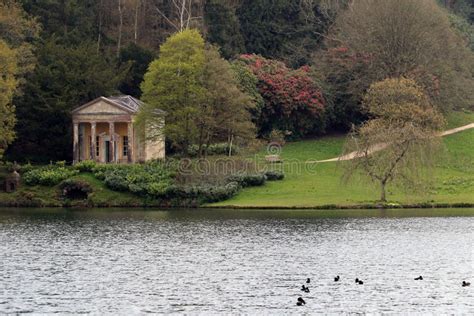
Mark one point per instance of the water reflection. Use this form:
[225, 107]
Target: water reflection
[235, 261]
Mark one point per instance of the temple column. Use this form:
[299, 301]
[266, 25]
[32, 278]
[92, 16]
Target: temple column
[131, 159]
[93, 141]
[112, 141]
[75, 149]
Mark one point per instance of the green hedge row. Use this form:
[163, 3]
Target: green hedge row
[48, 176]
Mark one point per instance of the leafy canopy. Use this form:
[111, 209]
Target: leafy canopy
[8, 85]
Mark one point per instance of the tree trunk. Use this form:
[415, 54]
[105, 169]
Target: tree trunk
[135, 27]
[119, 41]
[230, 144]
[382, 193]
[99, 36]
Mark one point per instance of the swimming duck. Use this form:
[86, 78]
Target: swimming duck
[308, 280]
[336, 279]
[359, 281]
[419, 278]
[464, 283]
[303, 288]
[300, 301]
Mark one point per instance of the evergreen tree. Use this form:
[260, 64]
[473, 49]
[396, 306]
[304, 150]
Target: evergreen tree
[138, 59]
[65, 78]
[223, 27]
[71, 21]
[282, 29]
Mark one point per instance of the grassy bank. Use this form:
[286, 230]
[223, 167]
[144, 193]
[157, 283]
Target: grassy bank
[319, 185]
[306, 185]
[50, 196]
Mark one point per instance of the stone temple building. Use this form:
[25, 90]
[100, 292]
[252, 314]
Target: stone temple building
[104, 131]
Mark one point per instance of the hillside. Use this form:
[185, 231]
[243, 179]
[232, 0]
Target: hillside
[308, 185]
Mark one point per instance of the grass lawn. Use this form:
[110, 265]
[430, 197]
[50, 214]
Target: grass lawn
[307, 185]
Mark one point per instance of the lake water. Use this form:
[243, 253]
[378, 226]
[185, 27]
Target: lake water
[235, 261]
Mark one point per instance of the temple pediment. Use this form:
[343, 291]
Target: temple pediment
[101, 106]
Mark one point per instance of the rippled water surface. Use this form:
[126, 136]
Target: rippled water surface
[231, 262]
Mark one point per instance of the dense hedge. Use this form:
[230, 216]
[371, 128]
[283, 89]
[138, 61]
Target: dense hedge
[85, 166]
[150, 179]
[49, 176]
[274, 175]
[248, 180]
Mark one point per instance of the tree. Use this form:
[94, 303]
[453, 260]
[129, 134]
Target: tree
[293, 100]
[65, 78]
[138, 58]
[223, 27]
[411, 38]
[225, 115]
[19, 31]
[8, 84]
[248, 83]
[289, 30]
[173, 84]
[399, 143]
[71, 21]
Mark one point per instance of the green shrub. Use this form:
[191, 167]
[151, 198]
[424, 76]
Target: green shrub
[248, 180]
[85, 166]
[148, 179]
[274, 175]
[75, 189]
[48, 176]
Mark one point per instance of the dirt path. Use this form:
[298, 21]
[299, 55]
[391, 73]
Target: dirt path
[378, 147]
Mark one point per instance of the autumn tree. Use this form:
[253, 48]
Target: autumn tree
[399, 144]
[8, 84]
[411, 38]
[19, 30]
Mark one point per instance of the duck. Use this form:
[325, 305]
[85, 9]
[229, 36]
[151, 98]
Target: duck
[303, 288]
[464, 283]
[300, 301]
[359, 281]
[306, 290]
[336, 279]
[308, 280]
[419, 278]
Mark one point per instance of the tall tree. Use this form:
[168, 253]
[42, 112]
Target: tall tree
[225, 114]
[399, 143]
[19, 31]
[290, 30]
[8, 84]
[72, 21]
[223, 27]
[411, 38]
[138, 58]
[65, 78]
[173, 84]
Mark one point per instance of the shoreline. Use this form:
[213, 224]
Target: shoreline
[387, 206]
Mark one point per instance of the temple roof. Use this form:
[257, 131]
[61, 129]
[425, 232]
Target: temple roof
[126, 102]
